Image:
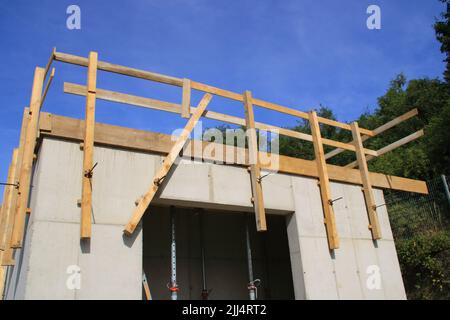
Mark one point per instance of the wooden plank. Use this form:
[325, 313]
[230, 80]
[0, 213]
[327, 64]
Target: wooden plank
[146, 286]
[167, 165]
[8, 253]
[5, 217]
[50, 61]
[367, 186]
[27, 160]
[8, 215]
[379, 130]
[186, 99]
[153, 142]
[88, 149]
[105, 66]
[390, 147]
[255, 169]
[20, 153]
[47, 86]
[176, 108]
[325, 191]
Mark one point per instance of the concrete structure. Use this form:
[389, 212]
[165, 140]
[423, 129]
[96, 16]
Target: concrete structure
[111, 264]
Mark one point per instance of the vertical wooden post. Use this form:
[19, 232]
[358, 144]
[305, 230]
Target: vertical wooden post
[16, 195]
[325, 191]
[7, 214]
[27, 160]
[88, 148]
[367, 186]
[253, 158]
[8, 207]
[186, 100]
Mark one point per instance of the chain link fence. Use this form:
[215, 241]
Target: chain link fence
[413, 214]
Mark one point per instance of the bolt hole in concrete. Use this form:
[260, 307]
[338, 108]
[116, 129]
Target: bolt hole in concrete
[225, 252]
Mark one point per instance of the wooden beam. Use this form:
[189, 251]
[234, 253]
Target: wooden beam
[255, 169]
[5, 214]
[7, 258]
[105, 66]
[167, 165]
[88, 149]
[379, 130]
[27, 160]
[16, 195]
[367, 186]
[390, 147]
[176, 108]
[7, 221]
[186, 100]
[324, 182]
[146, 286]
[47, 86]
[146, 141]
[50, 61]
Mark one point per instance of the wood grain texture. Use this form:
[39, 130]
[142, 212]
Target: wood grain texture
[167, 165]
[255, 169]
[27, 159]
[186, 99]
[324, 182]
[377, 131]
[177, 108]
[153, 142]
[366, 182]
[397, 144]
[88, 149]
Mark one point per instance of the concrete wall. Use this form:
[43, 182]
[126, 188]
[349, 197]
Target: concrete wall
[111, 267]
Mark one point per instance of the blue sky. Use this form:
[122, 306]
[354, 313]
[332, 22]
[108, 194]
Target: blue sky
[296, 53]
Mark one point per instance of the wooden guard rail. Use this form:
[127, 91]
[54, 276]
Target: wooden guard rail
[91, 92]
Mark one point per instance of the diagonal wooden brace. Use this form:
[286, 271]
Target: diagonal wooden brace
[325, 191]
[167, 165]
[253, 158]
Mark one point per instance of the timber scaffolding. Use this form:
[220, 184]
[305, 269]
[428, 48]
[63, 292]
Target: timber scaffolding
[36, 124]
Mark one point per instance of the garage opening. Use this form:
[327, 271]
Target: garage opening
[223, 271]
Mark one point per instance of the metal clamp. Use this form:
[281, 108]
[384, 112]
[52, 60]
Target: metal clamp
[332, 201]
[158, 181]
[15, 185]
[89, 173]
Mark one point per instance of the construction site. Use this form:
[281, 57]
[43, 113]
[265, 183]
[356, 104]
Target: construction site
[97, 211]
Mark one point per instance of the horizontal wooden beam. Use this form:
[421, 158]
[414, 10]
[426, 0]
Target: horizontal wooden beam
[378, 130]
[106, 66]
[118, 97]
[390, 147]
[146, 141]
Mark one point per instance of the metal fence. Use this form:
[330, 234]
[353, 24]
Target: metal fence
[414, 214]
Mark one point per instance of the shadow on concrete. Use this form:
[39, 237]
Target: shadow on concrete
[129, 240]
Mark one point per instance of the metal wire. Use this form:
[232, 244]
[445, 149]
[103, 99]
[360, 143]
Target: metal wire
[412, 213]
